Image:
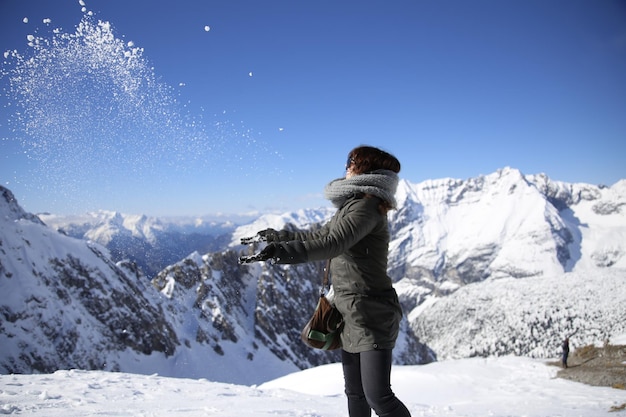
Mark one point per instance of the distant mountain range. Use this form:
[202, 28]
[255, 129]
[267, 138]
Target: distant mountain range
[152, 243]
[499, 264]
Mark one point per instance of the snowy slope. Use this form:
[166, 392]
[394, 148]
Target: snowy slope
[529, 317]
[502, 387]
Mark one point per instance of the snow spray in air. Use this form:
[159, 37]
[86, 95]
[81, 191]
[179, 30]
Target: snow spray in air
[90, 112]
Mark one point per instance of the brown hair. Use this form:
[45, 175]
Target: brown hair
[365, 159]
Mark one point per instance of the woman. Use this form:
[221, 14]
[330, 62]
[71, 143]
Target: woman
[356, 240]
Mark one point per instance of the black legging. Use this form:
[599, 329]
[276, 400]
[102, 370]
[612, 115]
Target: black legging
[368, 386]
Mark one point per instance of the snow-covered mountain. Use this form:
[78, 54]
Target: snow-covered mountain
[449, 233]
[151, 243]
[499, 264]
[65, 304]
[546, 259]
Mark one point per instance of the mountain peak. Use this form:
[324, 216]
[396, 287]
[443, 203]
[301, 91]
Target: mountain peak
[10, 210]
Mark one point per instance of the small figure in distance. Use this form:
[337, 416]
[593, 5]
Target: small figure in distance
[565, 351]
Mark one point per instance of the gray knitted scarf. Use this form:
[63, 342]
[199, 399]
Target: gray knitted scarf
[381, 183]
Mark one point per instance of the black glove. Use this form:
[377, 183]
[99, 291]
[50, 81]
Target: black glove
[267, 235]
[292, 252]
[268, 252]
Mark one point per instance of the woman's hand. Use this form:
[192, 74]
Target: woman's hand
[267, 235]
[268, 252]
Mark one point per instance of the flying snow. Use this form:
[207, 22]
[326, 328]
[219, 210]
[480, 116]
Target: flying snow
[83, 7]
[90, 111]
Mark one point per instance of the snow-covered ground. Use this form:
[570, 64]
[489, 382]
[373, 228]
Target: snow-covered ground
[497, 387]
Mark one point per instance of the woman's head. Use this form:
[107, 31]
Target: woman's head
[364, 159]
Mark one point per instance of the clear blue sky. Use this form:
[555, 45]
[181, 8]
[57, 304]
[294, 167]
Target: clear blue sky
[267, 98]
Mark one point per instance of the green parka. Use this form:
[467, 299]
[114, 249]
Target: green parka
[356, 239]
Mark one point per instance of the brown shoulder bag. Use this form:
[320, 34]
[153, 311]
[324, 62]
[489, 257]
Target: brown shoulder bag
[323, 330]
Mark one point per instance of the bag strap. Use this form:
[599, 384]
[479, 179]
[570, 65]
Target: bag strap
[325, 277]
